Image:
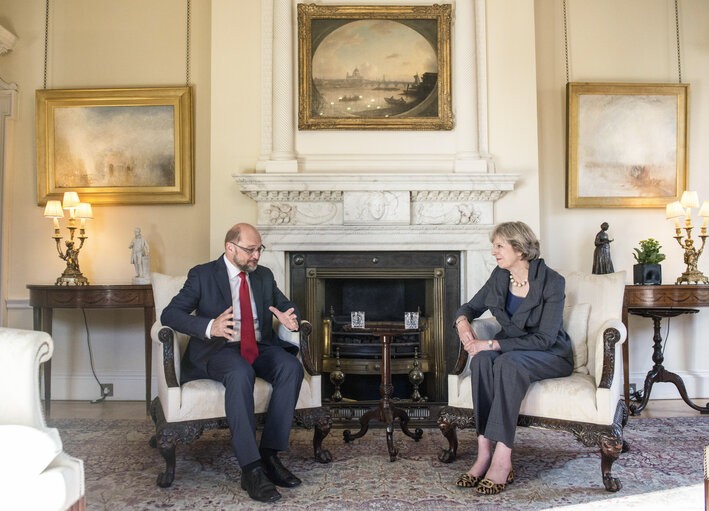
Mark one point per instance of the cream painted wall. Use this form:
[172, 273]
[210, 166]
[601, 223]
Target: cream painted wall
[512, 99]
[629, 41]
[633, 41]
[95, 44]
[236, 101]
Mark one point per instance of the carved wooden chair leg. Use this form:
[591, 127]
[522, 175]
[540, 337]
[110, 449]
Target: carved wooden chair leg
[449, 431]
[319, 419]
[165, 478]
[322, 429]
[611, 447]
[624, 422]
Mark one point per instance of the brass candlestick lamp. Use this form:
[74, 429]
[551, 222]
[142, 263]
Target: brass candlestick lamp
[77, 211]
[691, 254]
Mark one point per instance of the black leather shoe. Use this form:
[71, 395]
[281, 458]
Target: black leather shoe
[258, 486]
[277, 473]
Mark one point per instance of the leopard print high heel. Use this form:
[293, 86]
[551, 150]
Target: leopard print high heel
[487, 487]
[468, 481]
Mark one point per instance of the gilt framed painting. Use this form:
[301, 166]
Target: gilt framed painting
[626, 144]
[115, 146]
[370, 67]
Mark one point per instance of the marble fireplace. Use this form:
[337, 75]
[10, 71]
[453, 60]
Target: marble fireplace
[402, 229]
[402, 210]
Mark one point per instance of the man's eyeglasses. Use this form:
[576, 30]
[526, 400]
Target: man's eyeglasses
[250, 251]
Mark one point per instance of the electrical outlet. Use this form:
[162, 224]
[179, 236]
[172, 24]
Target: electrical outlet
[107, 389]
[633, 389]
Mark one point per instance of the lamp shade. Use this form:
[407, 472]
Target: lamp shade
[71, 200]
[53, 209]
[689, 200]
[84, 210]
[674, 210]
[705, 209]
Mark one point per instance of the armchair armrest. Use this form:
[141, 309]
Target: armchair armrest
[484, 328]
[308, 364]
[611, 336]
[165, 336]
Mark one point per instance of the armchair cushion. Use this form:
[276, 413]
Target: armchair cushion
[576, 325]
[27, 450]
[34, 471]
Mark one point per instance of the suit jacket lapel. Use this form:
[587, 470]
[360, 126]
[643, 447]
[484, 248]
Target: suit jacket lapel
[257, 289]
[534, 296]
[222, 278]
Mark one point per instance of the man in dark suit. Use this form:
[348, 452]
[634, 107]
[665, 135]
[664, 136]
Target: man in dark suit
[232, 341]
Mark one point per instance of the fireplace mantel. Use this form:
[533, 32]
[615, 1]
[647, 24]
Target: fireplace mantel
[385, 212]
[375, 200]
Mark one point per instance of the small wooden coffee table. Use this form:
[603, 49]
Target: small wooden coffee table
[386, 411]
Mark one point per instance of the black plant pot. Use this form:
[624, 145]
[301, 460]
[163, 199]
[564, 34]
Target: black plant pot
[647, 274]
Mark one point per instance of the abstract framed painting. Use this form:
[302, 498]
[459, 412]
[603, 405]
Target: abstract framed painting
[374, 67]
[115, 146]
[626, 144]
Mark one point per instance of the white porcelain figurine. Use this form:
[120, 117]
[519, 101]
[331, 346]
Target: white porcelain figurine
[140, 258]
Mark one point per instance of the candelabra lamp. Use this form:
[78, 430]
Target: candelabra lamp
[691, 253]
[54, 209]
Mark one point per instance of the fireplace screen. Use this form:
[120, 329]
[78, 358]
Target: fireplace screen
[329, 286]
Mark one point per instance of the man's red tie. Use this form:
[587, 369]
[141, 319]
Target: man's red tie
[249, 350]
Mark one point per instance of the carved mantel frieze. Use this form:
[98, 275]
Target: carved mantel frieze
[375, 199]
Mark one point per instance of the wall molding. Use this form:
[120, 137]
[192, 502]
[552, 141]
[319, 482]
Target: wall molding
[82, 386]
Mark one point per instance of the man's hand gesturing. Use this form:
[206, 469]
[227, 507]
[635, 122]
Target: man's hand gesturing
[288, 319]
[223, 325]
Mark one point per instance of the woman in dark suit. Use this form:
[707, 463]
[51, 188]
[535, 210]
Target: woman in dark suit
[527, 299]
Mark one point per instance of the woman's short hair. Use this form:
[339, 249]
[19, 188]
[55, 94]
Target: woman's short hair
[520, 236]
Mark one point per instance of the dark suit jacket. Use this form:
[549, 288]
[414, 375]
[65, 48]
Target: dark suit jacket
[536, 325]
[208, 294]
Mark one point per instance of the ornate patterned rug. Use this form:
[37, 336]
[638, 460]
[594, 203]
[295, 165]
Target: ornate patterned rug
[663, 470]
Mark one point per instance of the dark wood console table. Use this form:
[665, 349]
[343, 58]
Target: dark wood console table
[45, 298]
[647, 298]
[386, 412]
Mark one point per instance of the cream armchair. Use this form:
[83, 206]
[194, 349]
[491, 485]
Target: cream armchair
[588, 403]
[182, 412]
[35, 473]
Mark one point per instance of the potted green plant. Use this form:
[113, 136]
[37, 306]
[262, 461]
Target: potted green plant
[648, 270]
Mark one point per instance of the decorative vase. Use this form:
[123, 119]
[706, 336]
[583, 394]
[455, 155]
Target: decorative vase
[647, 274]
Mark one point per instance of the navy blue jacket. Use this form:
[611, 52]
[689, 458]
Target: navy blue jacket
[537, 323]
[207, 293]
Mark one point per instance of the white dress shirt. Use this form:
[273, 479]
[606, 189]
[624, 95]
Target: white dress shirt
[234, 283]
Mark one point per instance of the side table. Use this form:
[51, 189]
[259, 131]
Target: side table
[386, 412]
[45, 298]
[658, 373]
[651, 297]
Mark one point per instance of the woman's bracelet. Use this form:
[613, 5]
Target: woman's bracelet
[460, 320]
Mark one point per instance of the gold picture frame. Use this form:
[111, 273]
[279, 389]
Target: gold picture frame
[394, 43]
[115, 146]
[626, 144]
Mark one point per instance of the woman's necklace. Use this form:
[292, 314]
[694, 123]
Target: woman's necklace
[516, 283]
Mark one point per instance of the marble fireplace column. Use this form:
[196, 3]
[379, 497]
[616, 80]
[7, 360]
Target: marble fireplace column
[283, 158]
[469, 86]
